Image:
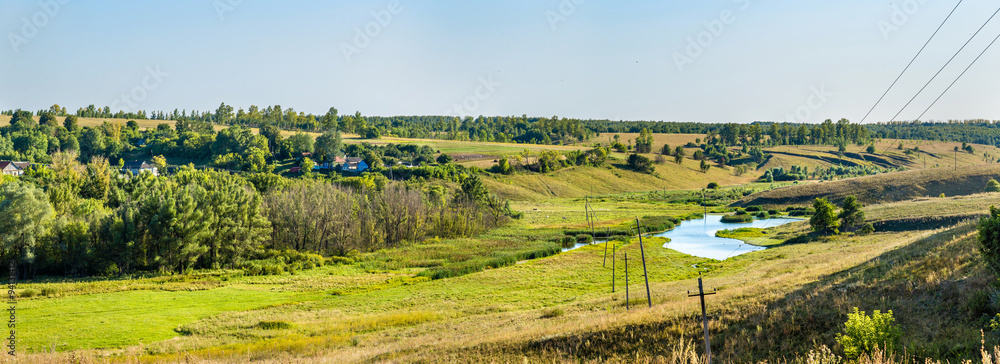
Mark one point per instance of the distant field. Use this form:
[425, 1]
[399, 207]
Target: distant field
[659, 139]
[884, 188]
[144, 124]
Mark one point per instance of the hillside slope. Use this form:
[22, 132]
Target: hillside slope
[884, 188]
[581, 181]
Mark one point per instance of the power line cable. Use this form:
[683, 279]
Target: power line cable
[946, 64]
[939, 72]
[959, 76]
[911, 61]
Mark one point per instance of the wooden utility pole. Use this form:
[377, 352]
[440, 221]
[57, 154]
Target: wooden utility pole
[704, 318]
[613, 250]
[607, 238]
[638, 228]
[626, 280]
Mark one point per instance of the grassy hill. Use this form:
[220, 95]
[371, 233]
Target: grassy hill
[581, 181]
[883, 188]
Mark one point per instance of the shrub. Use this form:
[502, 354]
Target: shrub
[741, 212]
[992, 186]
[763, 215]
[774, 212]
[583, 238]
[273, 325]
[737, 219]
[28, 293]
[867, 229]
[552, 313]
[802, 212]
[863, 333]
[640, 164]
[754, 208]
[713, 186]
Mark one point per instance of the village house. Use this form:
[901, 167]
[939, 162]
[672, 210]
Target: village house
[12, 168]
[137, 167]
[354, 165]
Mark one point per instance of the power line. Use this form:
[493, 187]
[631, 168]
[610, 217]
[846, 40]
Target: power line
[959, 76]
[946, 64]
[911, 61]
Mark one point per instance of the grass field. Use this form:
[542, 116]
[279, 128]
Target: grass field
[381, 309]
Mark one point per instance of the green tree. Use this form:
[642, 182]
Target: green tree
[666, 149]
[300, 143]
[825, 218]
[989, 239]
[644, 143]
[870, 149]
[48, 119]
[160, 163]
[704, 166]
[679, 155]
[307, 165]
[444, 159]
[329, 145]
[851, 216]
[24, 213]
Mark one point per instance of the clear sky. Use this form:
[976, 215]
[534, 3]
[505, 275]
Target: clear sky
[780, 60]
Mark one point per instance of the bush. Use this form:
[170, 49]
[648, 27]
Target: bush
[863, 333]
[741, 212]
[273, 325]
[584, 238]
[774, 212]
[28, 293]
[754, 208]
[552, 313]
[867, 229]
[802, 212]
[763, 215]
[992, 186]
[713, 186]
[737, 219]
[640, 164]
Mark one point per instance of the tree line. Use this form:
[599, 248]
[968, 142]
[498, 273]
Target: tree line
[78, 219]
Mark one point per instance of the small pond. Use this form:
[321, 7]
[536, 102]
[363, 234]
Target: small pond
[697, 237]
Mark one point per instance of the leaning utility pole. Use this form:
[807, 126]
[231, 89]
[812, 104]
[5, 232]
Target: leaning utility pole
[649, 299]
[704, 318]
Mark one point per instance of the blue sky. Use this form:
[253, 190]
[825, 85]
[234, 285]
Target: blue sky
[778, 60]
